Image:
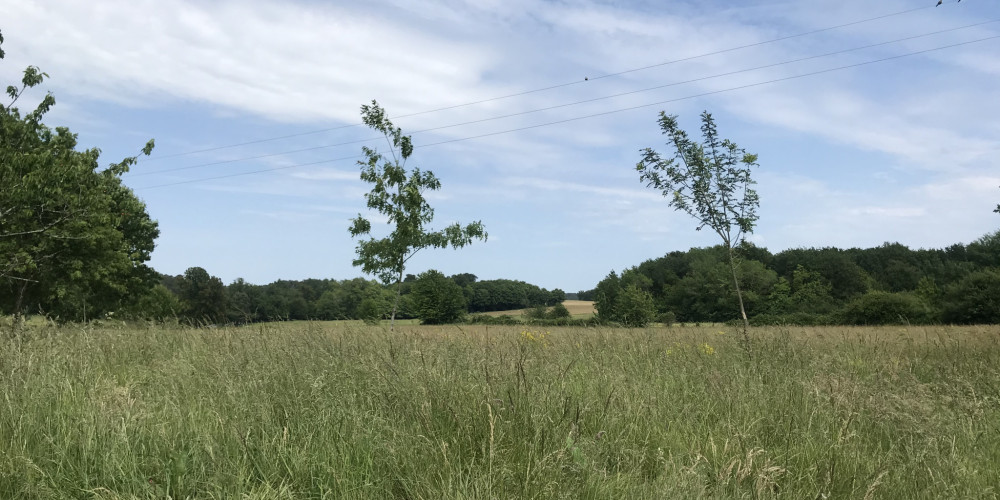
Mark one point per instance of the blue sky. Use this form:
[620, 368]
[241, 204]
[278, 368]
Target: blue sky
[904, 150]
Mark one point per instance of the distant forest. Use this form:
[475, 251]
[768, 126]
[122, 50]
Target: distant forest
[886, 284]
[200, 297]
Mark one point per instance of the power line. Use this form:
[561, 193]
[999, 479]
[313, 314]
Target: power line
[542, 89]
[575, 103]
[710, 77]
[713, 92]
[604, 113]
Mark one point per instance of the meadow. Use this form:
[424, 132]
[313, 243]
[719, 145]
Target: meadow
[344, 410]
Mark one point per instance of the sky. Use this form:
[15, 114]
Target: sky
[880, 123]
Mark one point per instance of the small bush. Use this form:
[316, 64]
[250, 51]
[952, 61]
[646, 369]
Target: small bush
[668, 318]
[537, 312]
[558, 311]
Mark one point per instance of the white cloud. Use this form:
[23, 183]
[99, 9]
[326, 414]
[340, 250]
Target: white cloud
[283, 60]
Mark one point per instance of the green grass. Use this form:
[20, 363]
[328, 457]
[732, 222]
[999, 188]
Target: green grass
[317, 410]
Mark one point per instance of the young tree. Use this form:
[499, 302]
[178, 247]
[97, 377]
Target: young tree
[399, 195]
[710, 182]
[73, 239]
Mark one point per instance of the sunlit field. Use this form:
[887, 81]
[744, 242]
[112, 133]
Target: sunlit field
[576, 308]
[342, 410]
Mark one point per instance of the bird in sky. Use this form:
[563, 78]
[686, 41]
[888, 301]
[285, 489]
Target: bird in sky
[939, 3]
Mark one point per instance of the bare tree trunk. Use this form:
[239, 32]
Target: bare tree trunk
[739, 295]
[395, 304]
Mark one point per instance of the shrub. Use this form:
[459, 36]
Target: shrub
[159, 304]
[668, 318]
[537, 312]
[558, 311]
[884, 308]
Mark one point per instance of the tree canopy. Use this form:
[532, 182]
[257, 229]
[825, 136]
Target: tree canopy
[74, 239]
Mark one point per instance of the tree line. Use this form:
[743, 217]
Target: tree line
[888, 284]
[197, 297]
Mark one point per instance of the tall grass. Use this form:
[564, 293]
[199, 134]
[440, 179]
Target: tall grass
[314, 410]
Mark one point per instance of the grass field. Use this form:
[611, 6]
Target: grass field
[314, 410]
[577, 309]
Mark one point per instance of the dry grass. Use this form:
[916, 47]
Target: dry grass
[577, 308]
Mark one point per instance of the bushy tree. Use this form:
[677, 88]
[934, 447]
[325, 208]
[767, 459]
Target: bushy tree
[437, 299]
[624, 300]
[74, 239]
[203, 296]
[245, 302]
[985, 251]
[975, 299]
[398, 194]
[709, 181]
[810, 292]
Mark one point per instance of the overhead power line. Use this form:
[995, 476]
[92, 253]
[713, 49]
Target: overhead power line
[543, 89]
[569, 104]
[604, 113]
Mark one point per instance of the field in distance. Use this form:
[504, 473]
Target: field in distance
[577, 308]
[335, 410]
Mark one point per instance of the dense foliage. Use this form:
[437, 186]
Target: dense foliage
[73, 239]
[437, 299]
[885, 284]
[625, 300]
[200, 298]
